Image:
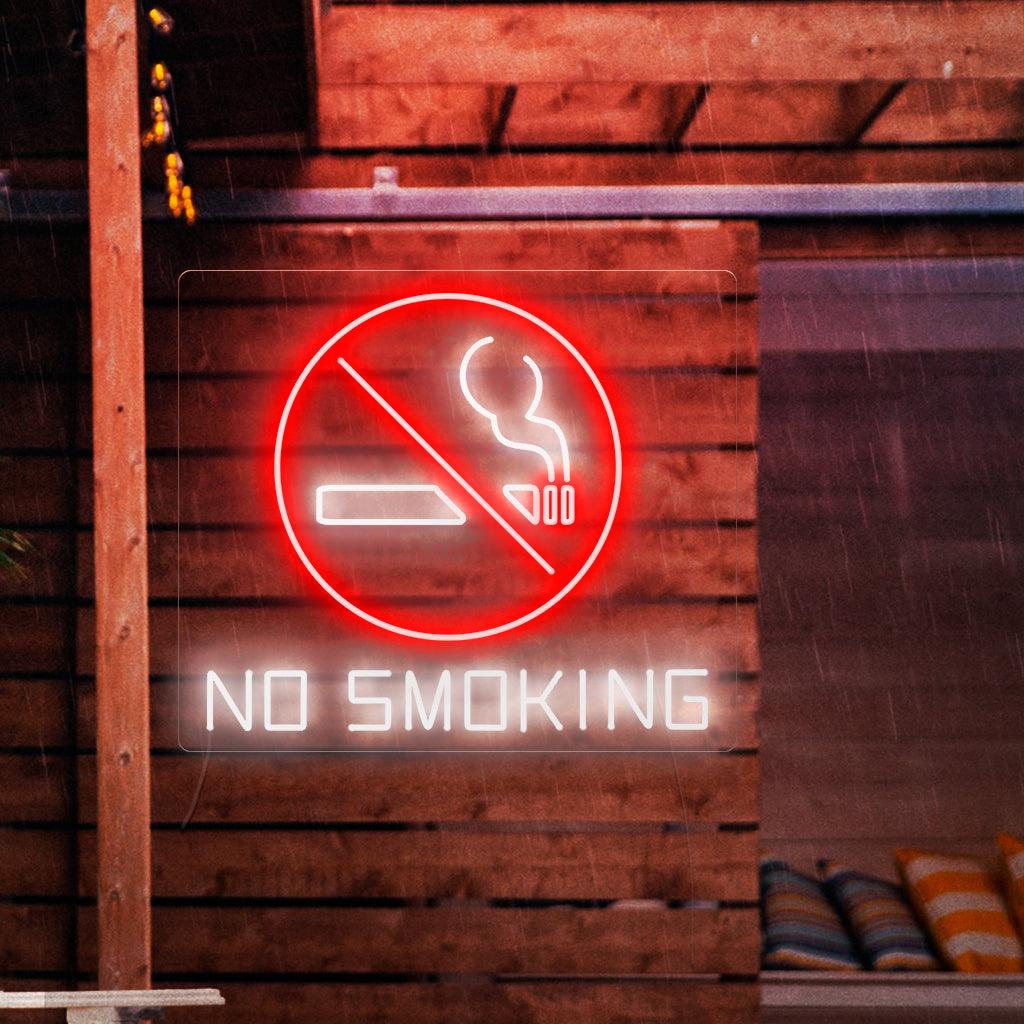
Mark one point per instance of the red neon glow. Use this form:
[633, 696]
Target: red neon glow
[391, 422]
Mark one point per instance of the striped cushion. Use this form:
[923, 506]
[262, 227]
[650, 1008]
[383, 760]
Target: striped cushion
[959, 900]
[1012, 850]
[882, 924]
[801, 927]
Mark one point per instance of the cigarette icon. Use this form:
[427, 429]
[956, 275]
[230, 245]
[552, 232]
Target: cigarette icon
[386, 505]
[554, 504]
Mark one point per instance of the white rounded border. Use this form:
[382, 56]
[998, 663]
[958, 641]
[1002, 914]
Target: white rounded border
[612, 509]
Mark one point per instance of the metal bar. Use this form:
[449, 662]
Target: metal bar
[119, 475]
[762, 202]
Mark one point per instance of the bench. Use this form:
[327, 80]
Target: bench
[121, 1007]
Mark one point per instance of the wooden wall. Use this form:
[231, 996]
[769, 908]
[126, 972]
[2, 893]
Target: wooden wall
[891, 506]
[377, 888]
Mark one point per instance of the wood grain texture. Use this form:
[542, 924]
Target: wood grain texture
[119, 474]
[536, 941]
[625, 332]
[687, 788]
[272, 165]
[667, 409]
[467, 862]
[953, 111]
[447, 939]
[736, 42]
[534, 1002]
[652, 564]
[607, 1001]
[721, 633]
[370, 116]
[634, 257]
[594, 113]
[282, 846]
[782, 113]
[216, 489]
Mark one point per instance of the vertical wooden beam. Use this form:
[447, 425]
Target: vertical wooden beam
[119, 476]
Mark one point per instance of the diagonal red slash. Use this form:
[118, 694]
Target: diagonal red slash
[446, 465]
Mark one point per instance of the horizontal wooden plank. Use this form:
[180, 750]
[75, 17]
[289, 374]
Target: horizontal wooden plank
[669, 408]
[35, 938]
[224, 165]
[353, 118]
[668, 42]
[41, 340]
[37, 712]
[627, 332]
[452, 939]
[38, 863]
[44, 569]
[669, 486]
[39, 489]
[782, 113]
[595, 113]
[720, 636]
[952, 111]
[41, 787]
[631, 332]
[37, 638]
[669, 257]
[446, 863]
[672, 486]
[604, 1001]
[650, 564]
[37, 414]
[534, 1002]
[443, 863]
[689, 788]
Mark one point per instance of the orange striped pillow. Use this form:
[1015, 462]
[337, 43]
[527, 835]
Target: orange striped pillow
[960, 901]
[1012, 850]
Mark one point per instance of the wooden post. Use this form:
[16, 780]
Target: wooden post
[119, 473]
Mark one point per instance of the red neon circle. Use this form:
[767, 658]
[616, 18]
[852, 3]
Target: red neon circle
[344, 370]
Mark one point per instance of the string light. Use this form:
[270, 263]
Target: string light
[160, 133]
[160, 21]
[160, 78]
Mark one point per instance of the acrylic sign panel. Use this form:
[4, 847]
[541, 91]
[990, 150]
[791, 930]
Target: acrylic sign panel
[483, 511]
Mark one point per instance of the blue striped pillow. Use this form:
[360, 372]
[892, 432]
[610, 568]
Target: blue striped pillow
[801, 927]
[880, 918]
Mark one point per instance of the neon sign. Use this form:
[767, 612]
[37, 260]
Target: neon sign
[483, 700]
[448, 487]
[441, 432]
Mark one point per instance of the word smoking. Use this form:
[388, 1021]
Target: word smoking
[477, 700]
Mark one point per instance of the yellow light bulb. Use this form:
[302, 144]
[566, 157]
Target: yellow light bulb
[160, 21]
[160, 77]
